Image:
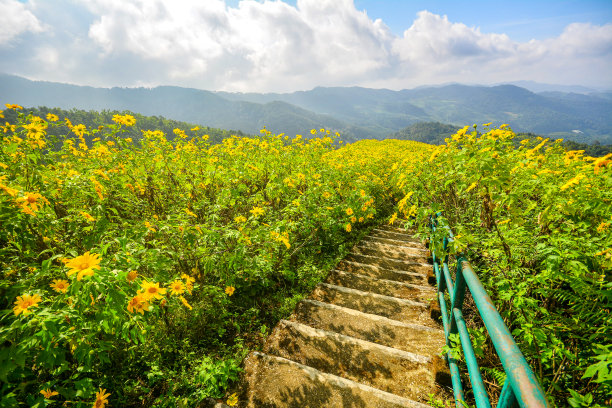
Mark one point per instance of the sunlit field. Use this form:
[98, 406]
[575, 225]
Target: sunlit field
[141, 271]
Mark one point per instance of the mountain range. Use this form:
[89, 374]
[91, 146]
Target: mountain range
[355, 112]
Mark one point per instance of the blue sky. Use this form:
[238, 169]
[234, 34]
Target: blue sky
[522, 20]
[273, 46]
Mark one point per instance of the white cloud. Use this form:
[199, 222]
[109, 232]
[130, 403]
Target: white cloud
[437, 50]
[16, 20]
[273, 46]
[254, 44]
[433, 38]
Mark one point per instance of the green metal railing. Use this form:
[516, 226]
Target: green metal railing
[521, 387]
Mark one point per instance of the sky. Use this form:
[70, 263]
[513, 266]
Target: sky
[285, 46]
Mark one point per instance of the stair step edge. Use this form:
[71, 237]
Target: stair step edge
[374, 295]
[388, 269]
[343, 338]
[395, 260]
[342, 382]
[388, 281]
[371, 316]
[369, 240]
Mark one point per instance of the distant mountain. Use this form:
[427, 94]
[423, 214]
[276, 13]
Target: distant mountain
[426, 132]
[356, 112]
[584, 118]
[538, 87]
[183, 104]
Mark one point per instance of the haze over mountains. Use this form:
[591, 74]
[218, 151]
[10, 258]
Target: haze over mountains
[356, 112]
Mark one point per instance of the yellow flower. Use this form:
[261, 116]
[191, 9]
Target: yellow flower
[48, 393]
[230, 290]
[603, 226]
[87, 216]
[13, 106]
[152, 290]
[393, 218]
[349, 211]
[313, 131]
[602, 162]
[177, 287]
[188, 211]
[185, 303]
[188, 281]
[348, 228]
[149, 226]
[232, 400]
[24, 302]
[101, 399]
[79, 130]
[257, 211]
[30, 202]
[131, 276]
[10, 191]
[52, 118]
[573, 181]
[127, 120]
[240, 219]
[138, 304]
[60, 285]
[84, 265]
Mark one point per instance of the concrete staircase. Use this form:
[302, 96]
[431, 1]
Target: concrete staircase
[365, 337]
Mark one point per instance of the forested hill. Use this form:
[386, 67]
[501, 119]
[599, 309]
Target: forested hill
[426, 132]
[203, 108]
[357, 113]
[435, 133]
[94, 119]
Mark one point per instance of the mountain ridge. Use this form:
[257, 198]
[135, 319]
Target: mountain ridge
[356, 112]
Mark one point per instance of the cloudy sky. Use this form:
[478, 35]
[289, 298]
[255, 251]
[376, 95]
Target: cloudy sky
[283, 46]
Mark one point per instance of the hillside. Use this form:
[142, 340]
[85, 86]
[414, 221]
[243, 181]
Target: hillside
[93, 119]
[437, 133]
[169, 259]
[356, 112]
[182, 104]
[426, 132]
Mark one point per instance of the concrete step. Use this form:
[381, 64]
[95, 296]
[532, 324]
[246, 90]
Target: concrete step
[404, 249]
[407, 311]
[406, 374]
[390, 234]
[390, 228]
[418, 277]
[365, 338]
[276, 382]
[365, 283]
[374, 328]
[407, 265]
[395, 242]
[386, 251]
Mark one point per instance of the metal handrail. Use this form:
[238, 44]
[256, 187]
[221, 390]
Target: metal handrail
[521, 387]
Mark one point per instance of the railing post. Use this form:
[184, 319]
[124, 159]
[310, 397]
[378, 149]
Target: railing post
[523, 381]
[480, 393]
[521, 387]
[507, 399]
[442, 282]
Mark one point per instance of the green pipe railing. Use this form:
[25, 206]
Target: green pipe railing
[521, 387]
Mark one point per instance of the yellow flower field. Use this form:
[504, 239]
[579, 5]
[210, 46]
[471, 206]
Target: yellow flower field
[149, 266]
